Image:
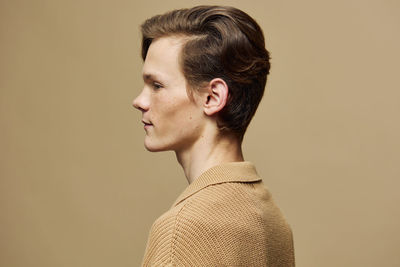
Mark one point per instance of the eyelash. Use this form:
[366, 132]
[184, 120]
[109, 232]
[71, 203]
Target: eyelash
[157, 86]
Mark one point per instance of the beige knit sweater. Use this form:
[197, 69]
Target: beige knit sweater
[226, 217]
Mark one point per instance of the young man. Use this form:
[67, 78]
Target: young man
[204, 75]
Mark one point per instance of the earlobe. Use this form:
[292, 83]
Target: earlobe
[217, 96]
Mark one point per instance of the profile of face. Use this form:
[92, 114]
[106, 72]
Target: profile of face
[172, 121]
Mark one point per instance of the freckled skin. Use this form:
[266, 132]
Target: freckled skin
[177, 120]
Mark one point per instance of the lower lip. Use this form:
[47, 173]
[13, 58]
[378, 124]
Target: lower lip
[146, 126]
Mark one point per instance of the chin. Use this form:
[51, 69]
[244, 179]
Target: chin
[154, 148]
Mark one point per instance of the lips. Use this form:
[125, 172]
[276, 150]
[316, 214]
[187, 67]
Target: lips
[146, 123]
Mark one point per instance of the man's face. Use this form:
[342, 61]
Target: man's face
[172, 121]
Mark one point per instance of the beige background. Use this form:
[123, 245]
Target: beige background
[77, 187]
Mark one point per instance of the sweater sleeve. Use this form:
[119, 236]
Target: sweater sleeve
[158, 250]
[177, 239]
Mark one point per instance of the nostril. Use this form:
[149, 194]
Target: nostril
[135, 103]
[141, 102]
[138, 106]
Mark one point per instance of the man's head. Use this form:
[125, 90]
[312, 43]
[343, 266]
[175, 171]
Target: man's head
[218, 42]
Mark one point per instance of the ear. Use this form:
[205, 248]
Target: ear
[217, 96]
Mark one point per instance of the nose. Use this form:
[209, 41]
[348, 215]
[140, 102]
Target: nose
[141, 102]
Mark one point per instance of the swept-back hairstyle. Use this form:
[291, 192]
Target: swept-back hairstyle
[221, 42]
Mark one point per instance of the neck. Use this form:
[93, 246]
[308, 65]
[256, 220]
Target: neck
[208, 152]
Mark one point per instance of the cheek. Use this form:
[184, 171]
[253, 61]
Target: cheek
[168, 109]
[175, 112]
[189, 119]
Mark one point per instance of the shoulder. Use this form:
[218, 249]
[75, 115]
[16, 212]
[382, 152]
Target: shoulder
[237, 220]
[237, 208]
[226, 222]
[221, 224]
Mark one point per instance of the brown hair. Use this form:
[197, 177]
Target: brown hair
[223, 42]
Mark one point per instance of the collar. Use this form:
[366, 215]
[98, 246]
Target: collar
[243, 171]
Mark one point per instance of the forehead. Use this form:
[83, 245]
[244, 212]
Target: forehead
[162, 59]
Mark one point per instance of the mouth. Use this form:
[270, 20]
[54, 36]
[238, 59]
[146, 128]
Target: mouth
[147, 124]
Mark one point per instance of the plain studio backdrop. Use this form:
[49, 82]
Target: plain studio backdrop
[78, 188]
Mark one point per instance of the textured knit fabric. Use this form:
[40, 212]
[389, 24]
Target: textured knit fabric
[226, 217]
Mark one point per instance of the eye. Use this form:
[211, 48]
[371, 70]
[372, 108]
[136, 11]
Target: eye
[157, 85]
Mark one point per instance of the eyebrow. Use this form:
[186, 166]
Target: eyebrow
[147, 76]
[150, 77]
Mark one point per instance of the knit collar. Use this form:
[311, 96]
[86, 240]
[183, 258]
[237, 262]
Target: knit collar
[243, 171]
